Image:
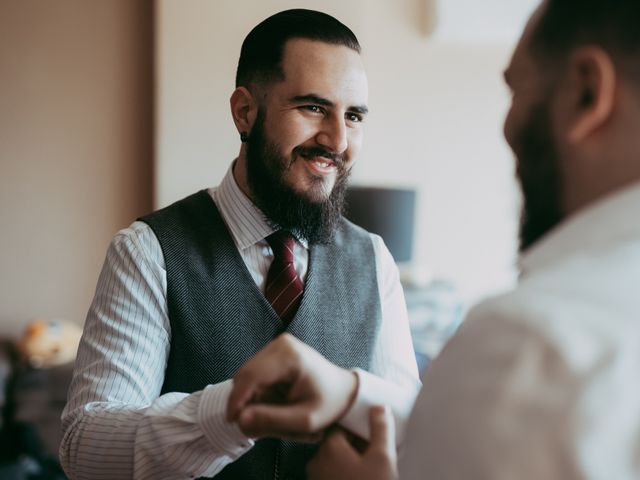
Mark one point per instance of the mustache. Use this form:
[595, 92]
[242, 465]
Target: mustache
[309, 152]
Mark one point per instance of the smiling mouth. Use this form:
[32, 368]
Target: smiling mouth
[320, 166]
[322, 162]
[319, 161]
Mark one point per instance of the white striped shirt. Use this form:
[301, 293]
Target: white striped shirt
[116, 424]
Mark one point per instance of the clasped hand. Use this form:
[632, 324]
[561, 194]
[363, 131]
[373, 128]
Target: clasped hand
[290, 391]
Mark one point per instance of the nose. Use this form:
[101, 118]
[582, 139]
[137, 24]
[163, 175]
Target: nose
[333, 135]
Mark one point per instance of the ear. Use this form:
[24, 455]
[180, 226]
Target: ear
[592, 78]
[244, 109]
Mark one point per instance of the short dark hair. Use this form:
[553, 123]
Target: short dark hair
[566, 24]
[262, 49]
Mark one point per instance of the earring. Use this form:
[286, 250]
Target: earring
[244, 137]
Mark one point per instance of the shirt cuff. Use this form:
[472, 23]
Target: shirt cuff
[372, 391]
[223, 435]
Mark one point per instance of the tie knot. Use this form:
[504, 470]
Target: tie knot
[281, 242]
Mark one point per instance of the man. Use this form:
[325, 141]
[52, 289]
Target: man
[540, 382]
[189, 293]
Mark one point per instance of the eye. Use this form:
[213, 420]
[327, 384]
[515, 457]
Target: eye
[313, 108]
[354, 117]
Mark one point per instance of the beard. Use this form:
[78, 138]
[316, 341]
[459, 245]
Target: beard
[540, 177]
[284, 207]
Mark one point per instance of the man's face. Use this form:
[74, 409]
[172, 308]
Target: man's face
[307, 135]
[529, 131]
[283, 206]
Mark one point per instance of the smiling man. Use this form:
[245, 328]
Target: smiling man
[190, 293]
[305, 135]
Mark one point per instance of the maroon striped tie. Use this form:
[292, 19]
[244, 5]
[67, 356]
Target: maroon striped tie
[284, 288]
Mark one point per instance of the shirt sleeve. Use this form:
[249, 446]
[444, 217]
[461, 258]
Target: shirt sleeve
[498, 402]
[116, 424]
[394, 379]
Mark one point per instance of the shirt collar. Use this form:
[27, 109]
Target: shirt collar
[601, 223]
[246, 222]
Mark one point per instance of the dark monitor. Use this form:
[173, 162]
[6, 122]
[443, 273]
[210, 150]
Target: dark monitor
[386, 211]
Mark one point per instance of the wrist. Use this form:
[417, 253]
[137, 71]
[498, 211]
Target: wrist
[352, 383]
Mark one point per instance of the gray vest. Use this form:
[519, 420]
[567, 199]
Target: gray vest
[219, 318]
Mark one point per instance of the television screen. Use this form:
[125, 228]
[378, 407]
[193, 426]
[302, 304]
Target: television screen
[387, 212]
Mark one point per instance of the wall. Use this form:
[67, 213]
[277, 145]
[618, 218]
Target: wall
[75, 147]
[437, 107]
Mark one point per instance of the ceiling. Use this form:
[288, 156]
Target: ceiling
[480, 20]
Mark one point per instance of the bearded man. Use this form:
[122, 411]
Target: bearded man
[541, 382]
[191, 292]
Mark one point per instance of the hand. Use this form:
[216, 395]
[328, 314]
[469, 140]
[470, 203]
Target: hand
[339, 459]
[288, 390]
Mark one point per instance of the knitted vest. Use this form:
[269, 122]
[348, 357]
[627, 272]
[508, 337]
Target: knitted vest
[220, 319]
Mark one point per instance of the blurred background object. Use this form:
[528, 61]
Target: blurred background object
[49, 343]
[434, 305]
[31, 402]
[435, 310]
[388, 212]
[76, 147]
[76, 163]
[489, 21]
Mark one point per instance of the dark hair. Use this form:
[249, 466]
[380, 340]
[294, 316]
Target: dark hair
[262, 50]
[611, 24]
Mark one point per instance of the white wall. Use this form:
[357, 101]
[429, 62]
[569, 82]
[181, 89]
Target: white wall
[75, 148]
[435, 124]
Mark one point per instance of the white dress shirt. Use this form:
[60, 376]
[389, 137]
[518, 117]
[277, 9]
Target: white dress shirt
[116, 424]
[542, 382]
